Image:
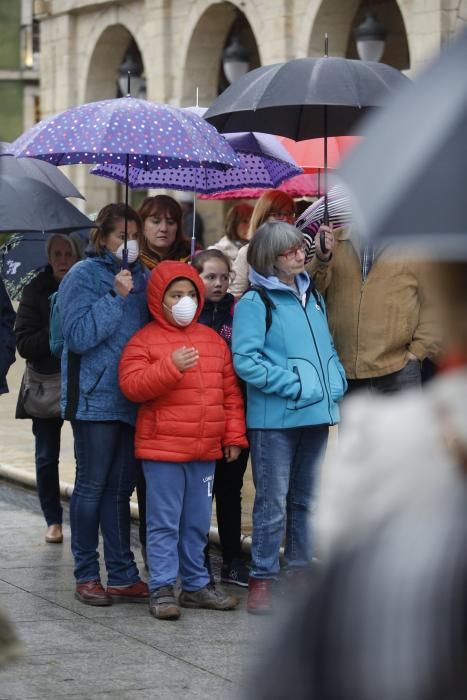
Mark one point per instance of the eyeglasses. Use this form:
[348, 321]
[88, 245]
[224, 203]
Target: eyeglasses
[287, 215]
[292, 252]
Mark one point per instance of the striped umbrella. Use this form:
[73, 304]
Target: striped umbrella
[339, 211]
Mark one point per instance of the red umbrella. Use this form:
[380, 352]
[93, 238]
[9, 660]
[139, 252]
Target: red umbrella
[298, 186]
[309, 154]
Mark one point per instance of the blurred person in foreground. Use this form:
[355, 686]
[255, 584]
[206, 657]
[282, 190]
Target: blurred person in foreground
[386, 615]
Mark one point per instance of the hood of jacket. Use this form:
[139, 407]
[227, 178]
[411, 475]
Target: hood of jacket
[302, 281]
[162, 277]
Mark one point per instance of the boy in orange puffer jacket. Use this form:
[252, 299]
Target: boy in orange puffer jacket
[191, 414]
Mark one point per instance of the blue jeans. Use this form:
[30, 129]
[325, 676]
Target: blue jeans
[408, 376]
[178, 516]
[47, 437]
[105, 479]
[284, 465]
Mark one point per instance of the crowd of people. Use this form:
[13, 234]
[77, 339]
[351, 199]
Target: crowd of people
[178, 369]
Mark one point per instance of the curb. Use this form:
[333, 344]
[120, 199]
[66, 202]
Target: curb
[28, 479]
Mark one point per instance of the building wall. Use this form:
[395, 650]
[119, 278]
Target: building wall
[11, 87]
[181, 43]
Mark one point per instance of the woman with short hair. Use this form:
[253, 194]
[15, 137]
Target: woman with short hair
[32, 339]
[283, 350]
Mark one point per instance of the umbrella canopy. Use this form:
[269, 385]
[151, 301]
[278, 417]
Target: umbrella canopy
[339, 211]
[265, 163]
[38, 170]
[408, 177]
[147, 134]
[290, 98]
[298, 186]
[21, 258]
[309, 154]
[27, 205]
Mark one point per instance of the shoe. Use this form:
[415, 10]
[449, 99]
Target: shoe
[135, 593]
[259, 596]
[236, 572]
[54, 534]
[163, 604]
[209, 598]
[92, 593]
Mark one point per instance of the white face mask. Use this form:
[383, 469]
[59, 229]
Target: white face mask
[133, 251]
[184, 311]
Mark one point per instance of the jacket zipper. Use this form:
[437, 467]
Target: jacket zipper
[319, 357]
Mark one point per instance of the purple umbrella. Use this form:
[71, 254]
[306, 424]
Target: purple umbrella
[130, 132]
[265, 163]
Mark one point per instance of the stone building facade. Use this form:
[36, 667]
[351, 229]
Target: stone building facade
[180, 45]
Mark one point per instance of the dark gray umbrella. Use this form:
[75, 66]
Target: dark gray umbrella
[290, 98]
[30, 205]
[38, 170]
[408, 177]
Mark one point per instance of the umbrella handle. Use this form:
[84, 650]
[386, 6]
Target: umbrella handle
[322, 235]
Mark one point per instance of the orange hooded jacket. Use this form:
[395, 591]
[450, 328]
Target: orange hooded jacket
[183, 416]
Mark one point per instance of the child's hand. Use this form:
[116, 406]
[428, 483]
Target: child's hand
[185, 358]
[231, 453]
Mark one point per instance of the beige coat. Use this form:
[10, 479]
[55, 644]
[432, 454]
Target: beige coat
[377, 322]
[228, 247]
[240, 268]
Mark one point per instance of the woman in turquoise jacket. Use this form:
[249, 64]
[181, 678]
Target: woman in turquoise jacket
[283, 350]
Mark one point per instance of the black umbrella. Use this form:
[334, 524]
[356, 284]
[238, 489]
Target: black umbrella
[30, 205]
[38, 170]
[290, 99]
[408, 176]
[305, 98]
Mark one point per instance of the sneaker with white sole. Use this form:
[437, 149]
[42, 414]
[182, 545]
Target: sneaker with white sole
[236, 572]
[209, 598]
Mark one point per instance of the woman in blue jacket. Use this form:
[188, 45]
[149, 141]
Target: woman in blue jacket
[283, 350]
[101, 306]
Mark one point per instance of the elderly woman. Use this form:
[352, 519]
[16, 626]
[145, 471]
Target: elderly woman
[101, 307]
[32, 338]
[162, 236]
[273, 205]
[284, 352]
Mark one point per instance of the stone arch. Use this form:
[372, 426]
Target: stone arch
[207, 31]
[338, 20]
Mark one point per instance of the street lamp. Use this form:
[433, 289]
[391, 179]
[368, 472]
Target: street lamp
[132, 68]
[235, 60]
[370, 36]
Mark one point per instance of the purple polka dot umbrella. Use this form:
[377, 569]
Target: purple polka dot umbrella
[265, 163]
[130, 132]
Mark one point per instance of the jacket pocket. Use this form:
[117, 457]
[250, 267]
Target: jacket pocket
[312, 388]
[336, 382]
[94, 382]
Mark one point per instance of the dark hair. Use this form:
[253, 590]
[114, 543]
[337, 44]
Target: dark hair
[202, 258]
[163, 204]
[233, 218]
[106, 222]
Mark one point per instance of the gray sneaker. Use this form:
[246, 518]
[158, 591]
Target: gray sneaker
[209, 598]
[163, 604]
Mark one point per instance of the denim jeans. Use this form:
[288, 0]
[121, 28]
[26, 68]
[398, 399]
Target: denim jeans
[105, 479]
[284, 463]
[178, 512]
[47, 437]
[408, 376]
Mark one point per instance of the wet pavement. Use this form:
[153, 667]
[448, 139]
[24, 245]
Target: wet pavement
[71, 650]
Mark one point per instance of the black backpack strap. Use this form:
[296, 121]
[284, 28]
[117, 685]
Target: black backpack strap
[267, 301]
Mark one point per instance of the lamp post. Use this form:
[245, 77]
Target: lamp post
[235, 60]
[130, 68]
[370, 37]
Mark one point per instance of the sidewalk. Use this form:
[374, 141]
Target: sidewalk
[71, 650]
